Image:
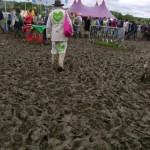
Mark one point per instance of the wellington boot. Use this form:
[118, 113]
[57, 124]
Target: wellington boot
[61, 62]
[59, 68]
[54, 60]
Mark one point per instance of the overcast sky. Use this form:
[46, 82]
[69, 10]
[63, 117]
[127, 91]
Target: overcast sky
[139, 8]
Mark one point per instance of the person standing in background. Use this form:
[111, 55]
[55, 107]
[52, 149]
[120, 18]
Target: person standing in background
[11, 19]
[87, 26]
[45, 22]
[104, 21]
[126, 26]
[28, 19]
[34, 15]
[55, 25]
[18, 23]
[1, 20]
[78, 23]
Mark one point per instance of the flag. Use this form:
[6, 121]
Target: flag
[66, 1]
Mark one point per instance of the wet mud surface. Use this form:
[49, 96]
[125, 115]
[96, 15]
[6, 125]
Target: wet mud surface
[97, 103]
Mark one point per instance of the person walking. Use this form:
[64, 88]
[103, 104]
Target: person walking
[18, 23]
[55, 26]
[87, 26]
[11, 19]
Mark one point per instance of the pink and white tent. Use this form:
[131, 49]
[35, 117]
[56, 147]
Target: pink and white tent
[96, 11]
[96, 3]
[104, 12]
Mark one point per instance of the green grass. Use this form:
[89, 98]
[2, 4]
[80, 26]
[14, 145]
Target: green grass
[110, 44]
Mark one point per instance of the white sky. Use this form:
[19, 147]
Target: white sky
[138, 8]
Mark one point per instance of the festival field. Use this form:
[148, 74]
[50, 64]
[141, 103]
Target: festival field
[96, 103]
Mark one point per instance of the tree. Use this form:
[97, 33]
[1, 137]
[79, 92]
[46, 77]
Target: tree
[129, 17]
[117, 15]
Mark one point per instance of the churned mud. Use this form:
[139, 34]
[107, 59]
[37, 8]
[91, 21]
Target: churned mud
[97, 103]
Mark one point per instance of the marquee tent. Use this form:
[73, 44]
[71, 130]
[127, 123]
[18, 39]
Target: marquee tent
[96, 11]
[96, 3]
[104, 12]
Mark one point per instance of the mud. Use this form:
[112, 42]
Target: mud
[97, 103]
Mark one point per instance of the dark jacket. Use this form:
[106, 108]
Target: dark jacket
[1, 15]
[134, 27]
[87, 25]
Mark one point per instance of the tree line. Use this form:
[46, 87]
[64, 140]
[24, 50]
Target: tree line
[120, 16]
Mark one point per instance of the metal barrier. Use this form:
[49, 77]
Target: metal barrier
[107, 34]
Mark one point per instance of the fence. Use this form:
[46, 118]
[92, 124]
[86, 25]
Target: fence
[107, 34]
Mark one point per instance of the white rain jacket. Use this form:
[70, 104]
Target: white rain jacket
[55, 25]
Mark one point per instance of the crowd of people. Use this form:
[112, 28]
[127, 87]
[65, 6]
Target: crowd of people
[16, 20]
[132, 29]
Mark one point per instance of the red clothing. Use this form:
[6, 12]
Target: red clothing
[113, 23]
[28, 19]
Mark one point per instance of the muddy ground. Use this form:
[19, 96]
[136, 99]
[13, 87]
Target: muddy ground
[97, 103]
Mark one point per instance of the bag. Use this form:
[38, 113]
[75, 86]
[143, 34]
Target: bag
[68, 31]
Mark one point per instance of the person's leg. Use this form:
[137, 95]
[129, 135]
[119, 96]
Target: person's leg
[54, 54]
[15, 32]
[1, 28]
[80, 34]
[61, 61]
[16, 29]
[78, 31]
[44, 35]
[61, 49]
[20, 33]
[75, 30]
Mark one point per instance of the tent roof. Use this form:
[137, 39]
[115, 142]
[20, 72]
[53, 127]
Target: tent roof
[96, 3]
[104, 12]
[96, 11]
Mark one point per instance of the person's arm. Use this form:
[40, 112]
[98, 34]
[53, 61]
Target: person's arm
[48, 26]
